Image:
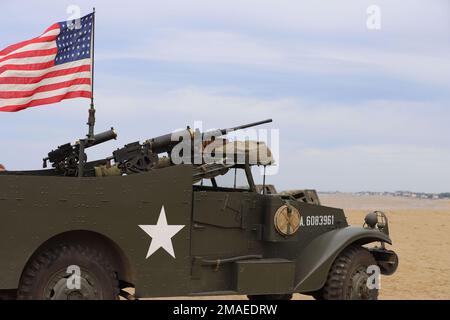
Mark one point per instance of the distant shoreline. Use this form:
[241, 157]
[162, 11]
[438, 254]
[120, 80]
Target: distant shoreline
[402, 194]
[382, 202]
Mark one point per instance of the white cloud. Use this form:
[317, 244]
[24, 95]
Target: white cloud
[293, 55]
[320, 16]
[201, 46]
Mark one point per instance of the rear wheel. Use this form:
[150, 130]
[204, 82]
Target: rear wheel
[69, 272]
[348, 276]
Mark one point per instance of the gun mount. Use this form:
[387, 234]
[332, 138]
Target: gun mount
[136, 157]
[65, 159]
[70, 159]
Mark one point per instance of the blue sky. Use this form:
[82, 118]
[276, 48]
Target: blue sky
[357, 109]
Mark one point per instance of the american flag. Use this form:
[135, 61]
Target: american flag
[49, 68]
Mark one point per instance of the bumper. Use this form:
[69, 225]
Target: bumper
[387, 260]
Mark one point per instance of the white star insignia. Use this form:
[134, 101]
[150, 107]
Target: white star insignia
[161, 234]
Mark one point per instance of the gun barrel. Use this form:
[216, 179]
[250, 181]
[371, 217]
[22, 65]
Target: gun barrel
[102, 137]
[245, 126]
[165, 143]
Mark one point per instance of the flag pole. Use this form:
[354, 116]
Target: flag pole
[91, 120]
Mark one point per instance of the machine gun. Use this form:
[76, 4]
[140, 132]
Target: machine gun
[66, 158]
[136, 157]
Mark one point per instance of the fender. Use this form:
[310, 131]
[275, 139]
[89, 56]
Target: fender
[316, 259]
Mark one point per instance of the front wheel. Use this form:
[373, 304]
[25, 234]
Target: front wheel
[348, 276]
[69, 272]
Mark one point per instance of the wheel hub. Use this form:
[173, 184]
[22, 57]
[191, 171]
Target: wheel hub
[359, 289]
[58, 288]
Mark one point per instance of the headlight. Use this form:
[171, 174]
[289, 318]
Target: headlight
[377, 219]
[371, 219]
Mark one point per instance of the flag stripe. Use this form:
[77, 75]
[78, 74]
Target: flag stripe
[43, 88]
[43, 95]
[31, 53]
[40, 73]
[51, 74]
[44, 82]
[30, 60]
[32, 41]
[54, 99]
[34, 66]
[34, 46]
[49, 35]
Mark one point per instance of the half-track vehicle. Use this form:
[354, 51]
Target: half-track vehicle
[142, 219]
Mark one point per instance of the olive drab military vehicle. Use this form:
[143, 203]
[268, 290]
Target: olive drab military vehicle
[142, 219]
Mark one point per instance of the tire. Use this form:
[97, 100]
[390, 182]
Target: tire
[47, 277]
[270, 297]
[347, 279]
[317, 295]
